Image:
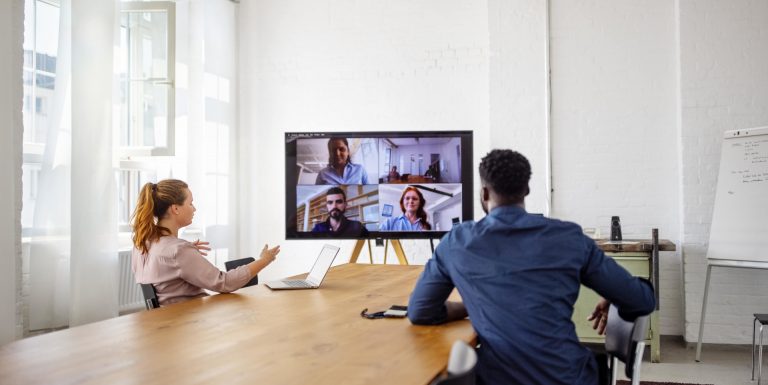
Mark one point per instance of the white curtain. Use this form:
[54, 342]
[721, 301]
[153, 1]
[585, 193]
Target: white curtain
[50, 240]
[73, 258]
[73, 253]
[206, 119]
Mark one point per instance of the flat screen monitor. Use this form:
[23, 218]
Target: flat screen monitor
[362, 185]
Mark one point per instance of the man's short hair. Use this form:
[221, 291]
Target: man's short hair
[336, 190]
[507, 172]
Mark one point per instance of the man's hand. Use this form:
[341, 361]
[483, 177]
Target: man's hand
[201, 246]
[599, 317]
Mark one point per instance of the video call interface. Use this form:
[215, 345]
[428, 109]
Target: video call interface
[350, 187]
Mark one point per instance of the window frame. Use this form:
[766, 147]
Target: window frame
[128, 152]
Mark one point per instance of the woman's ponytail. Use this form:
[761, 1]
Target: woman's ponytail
[143, 219]
[154, 200]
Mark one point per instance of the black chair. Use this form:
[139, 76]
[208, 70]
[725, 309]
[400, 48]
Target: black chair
[625, 342]
[239, 262]
[150, 296]
[461, 366]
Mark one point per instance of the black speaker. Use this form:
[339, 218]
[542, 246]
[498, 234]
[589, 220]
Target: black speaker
[615, 228]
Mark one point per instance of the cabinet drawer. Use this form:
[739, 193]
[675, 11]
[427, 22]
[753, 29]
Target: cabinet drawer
[637, 266]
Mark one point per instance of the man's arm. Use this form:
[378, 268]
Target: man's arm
[633, 296]
[428, 304]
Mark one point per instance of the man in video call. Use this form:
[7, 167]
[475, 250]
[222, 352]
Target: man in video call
[519, 275]
[337, 223]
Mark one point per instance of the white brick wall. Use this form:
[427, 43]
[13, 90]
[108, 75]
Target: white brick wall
[518, 87]
[614, 130]
[723, 86]
[11, 37]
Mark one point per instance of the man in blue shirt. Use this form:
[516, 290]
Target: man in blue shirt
[340, 169]
[519, 275]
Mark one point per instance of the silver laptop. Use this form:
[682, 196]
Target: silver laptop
[316, 275]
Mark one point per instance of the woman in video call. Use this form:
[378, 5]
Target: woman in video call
[414, 217]
[175, 267]
[340, 168]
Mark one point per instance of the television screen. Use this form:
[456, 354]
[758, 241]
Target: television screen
[358, 185]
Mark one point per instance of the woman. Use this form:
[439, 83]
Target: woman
[414, 217]
[175, 267]
[340, 169]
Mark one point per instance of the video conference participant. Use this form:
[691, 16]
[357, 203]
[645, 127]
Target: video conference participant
[393, 174]
[519, 277]
[340, 169]
[175, 267]
[337, 223]
[414, 217]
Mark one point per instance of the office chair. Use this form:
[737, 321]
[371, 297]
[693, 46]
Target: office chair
[461, 366]
[625, 342]
[239, 262]
[150, 296]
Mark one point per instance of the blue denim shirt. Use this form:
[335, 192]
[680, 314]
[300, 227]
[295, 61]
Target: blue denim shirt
[519, 277]
[401, 223]
[353, 174]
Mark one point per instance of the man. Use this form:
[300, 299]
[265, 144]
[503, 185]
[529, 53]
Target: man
[518, 275]
[340, 169]
[337, 223]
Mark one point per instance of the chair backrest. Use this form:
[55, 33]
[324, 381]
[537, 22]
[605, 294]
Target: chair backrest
[625, 340]
[150, 296]
[235, 263]
[461, 366]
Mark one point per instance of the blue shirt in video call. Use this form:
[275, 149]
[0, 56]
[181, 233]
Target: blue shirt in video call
[519, 276]
[401, 223]
[353, 174]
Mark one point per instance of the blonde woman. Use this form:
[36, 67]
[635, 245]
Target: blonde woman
[175, 267]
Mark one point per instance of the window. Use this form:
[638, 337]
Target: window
[145, 113]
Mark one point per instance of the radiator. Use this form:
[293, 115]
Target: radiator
[129, 292]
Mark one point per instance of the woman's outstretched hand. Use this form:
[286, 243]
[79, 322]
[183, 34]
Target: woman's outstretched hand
[269, 255]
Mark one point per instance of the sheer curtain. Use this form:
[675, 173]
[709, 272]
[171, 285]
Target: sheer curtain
[74, 243]
[73, 253]
[206, 119]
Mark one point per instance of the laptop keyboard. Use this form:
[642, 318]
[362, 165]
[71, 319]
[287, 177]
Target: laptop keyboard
[298, 283]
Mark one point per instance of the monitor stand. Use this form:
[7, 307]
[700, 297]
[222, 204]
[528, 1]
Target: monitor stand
[395, 245]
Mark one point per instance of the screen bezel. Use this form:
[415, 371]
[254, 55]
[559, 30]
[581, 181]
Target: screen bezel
[291, 175]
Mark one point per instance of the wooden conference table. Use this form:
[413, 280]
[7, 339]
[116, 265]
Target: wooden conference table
[249, 337]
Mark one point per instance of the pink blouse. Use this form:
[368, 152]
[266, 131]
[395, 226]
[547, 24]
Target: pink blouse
[179, 272]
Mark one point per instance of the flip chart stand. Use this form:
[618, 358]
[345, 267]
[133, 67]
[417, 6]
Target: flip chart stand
[720, 263]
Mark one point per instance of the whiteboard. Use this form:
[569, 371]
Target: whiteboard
[739, 229]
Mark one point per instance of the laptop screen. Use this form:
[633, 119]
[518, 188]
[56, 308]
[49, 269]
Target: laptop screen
[322, 264]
